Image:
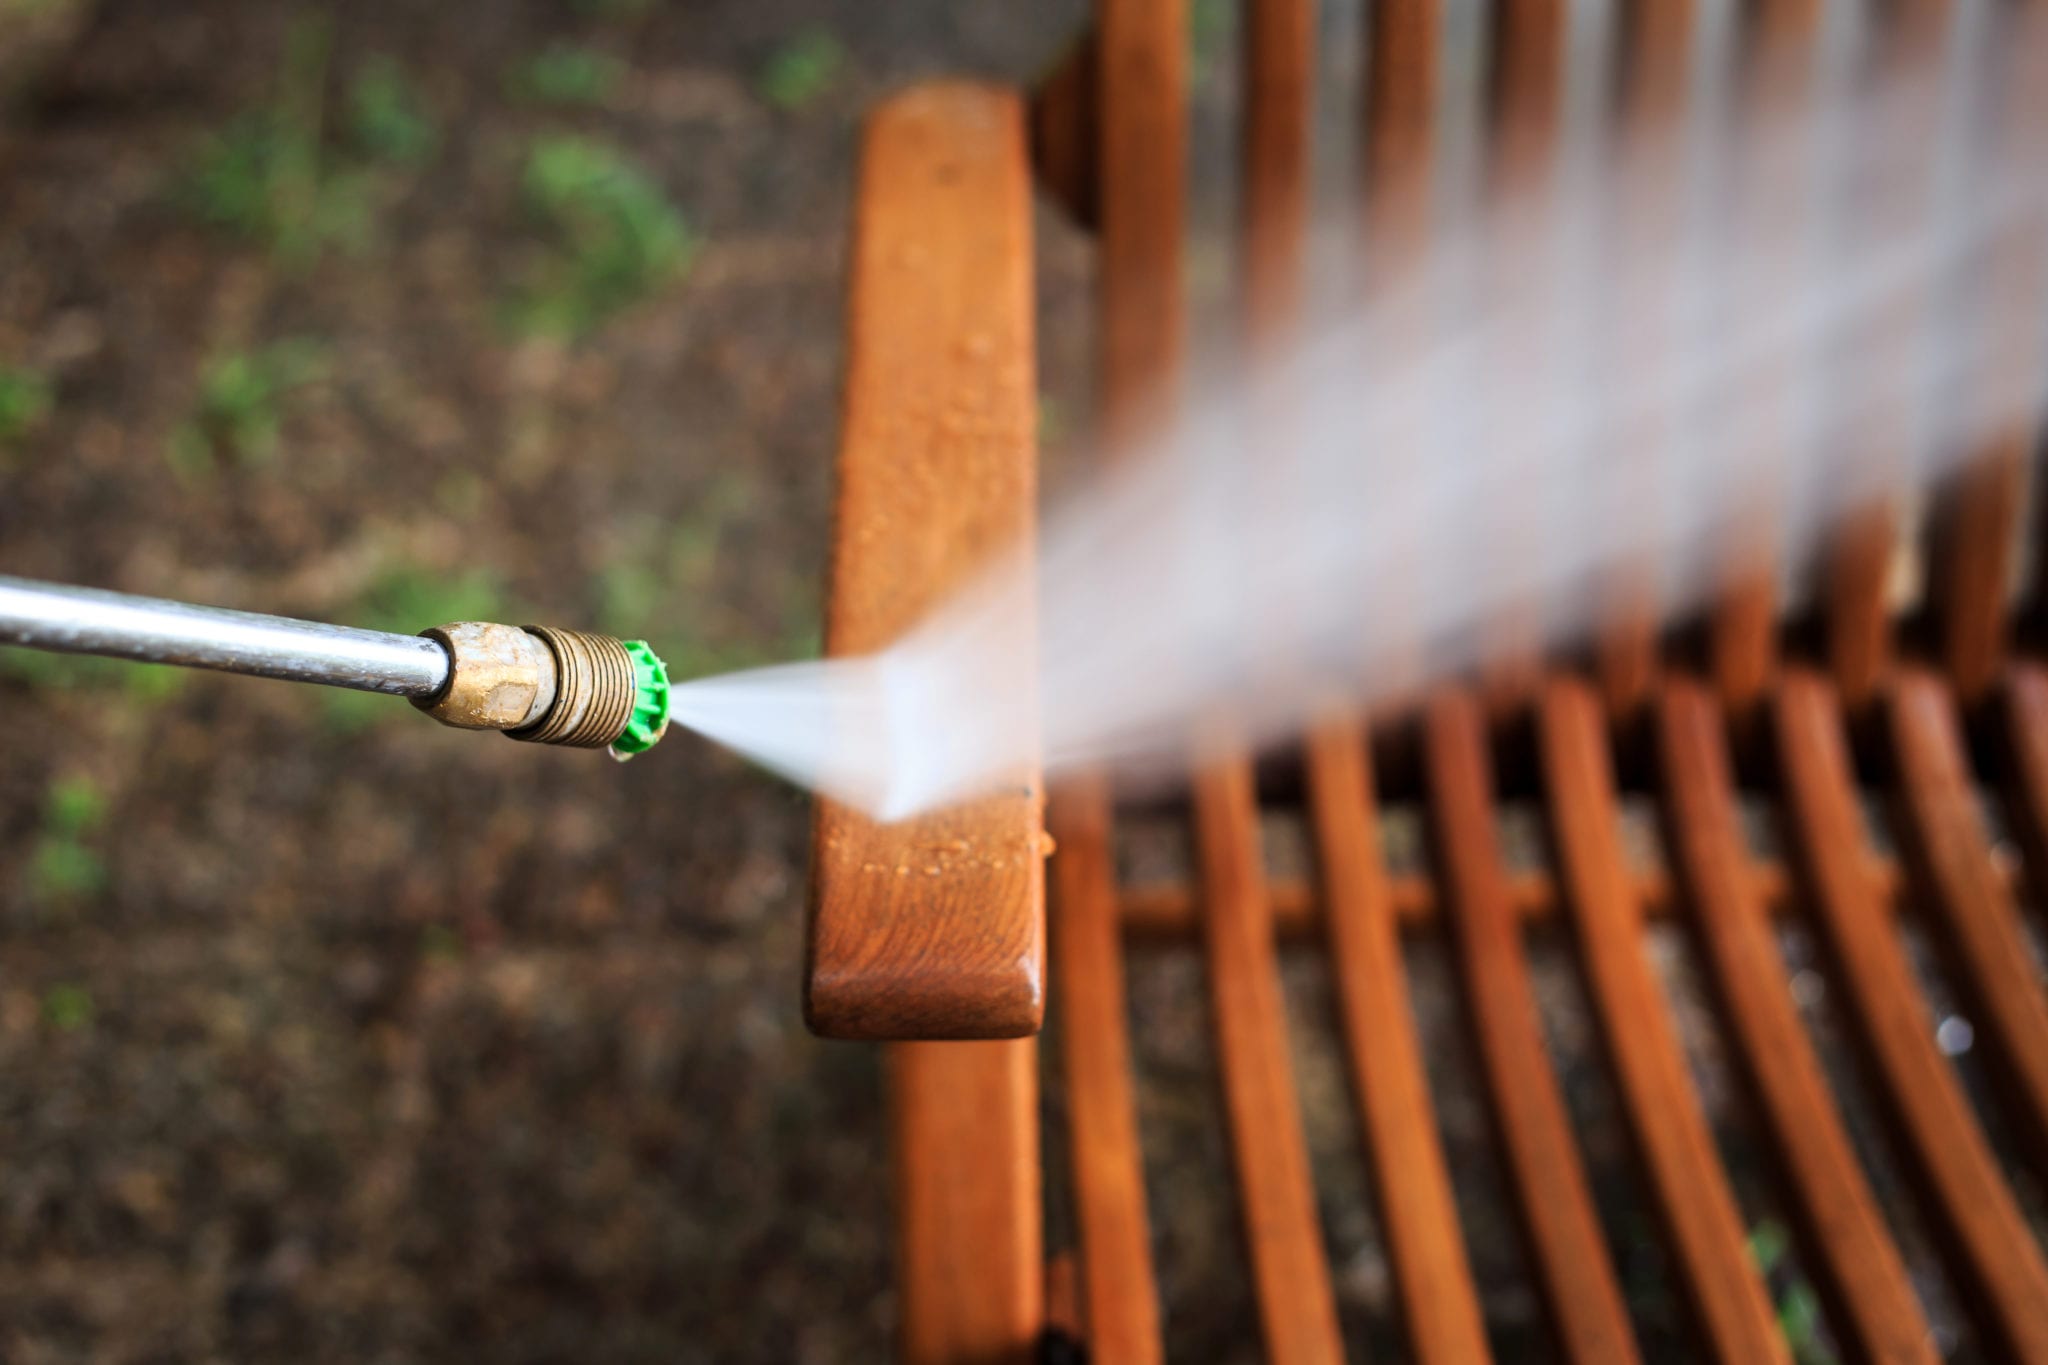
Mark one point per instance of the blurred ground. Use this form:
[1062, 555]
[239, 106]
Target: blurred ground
[325, 1032]
[329, 1034]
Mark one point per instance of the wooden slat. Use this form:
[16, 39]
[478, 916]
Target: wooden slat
[1992, 1255]
[1438, 1299]
[1119, 1295]
[1528, 62]
[1692, 1192]
[1143, 81]
[1743, 630]
[1065, 133]
[1400, 127]
[970, 1253]
[1656, 40]
[1980, 924]
[1862, 1278]
[1279, 55]
[933, 927]
[2026, 730]
[1167, 911]
[1974, 539]
[1572, 1261]
[1297, 1310]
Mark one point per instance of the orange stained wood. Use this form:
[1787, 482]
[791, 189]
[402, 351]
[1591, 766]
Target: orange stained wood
[933, 927]
[1991, 1252]
[1400, 124]
[1119, 1298]
[1970, 901]
[1972, 544]
[1279, 57]
[1297, 1310]
[1528, 109]
[1862, 1279]
[1656, 40]
[1692, 1193]
[1743, 629]
[970, 1253]
[1439, 1302]
[2026, 731]
[1572, 1261]
[1065, 133]
[1142, 81]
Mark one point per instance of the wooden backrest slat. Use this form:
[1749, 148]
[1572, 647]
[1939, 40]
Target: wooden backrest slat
[1743, 628]
[1691, 1189]
[1992, 1254]
[1276, 1197]
[1119, 1296]
[1971, 906]
[2025, 725]
[1869, 1299]
[1439, 1301]
[933, 927]
[1656, 38]
[1527, 79]
[1142, 79]
[1571, 1259]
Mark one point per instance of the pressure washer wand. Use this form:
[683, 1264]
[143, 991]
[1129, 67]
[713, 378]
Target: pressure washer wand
[534, 682]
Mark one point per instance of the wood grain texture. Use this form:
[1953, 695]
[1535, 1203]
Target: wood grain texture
[1972, 907]
[1276, 1199]
[1735, 1314]
[1992, 1255]
[1843, 1236]
[1571, 1259]
[1119, 1294]
[969, 1246]
[933, 927]
[1439, 1302]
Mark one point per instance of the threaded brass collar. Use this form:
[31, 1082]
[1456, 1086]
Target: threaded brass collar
[594, 690]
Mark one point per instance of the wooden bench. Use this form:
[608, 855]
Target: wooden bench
[933, 933]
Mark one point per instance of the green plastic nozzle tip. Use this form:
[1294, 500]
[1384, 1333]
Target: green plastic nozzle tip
[650, 702]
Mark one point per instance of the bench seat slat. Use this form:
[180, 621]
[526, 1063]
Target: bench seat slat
[1571, 1259]
[1691, 1190]
[1992, 1254]
[1862, 1278]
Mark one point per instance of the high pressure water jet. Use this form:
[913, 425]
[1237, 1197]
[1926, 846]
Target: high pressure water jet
[535, 683]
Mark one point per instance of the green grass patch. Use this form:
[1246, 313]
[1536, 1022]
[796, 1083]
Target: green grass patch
[25, 400]
[613, 237]
[63, 866]
[388, 120]
[244, 397]
[67, 1007]
[801, 69]
[1798, 1304]
[566, 76]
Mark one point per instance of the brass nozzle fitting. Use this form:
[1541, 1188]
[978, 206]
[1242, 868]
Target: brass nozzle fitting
[535, 683]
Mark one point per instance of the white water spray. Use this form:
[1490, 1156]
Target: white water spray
[1708, 345]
